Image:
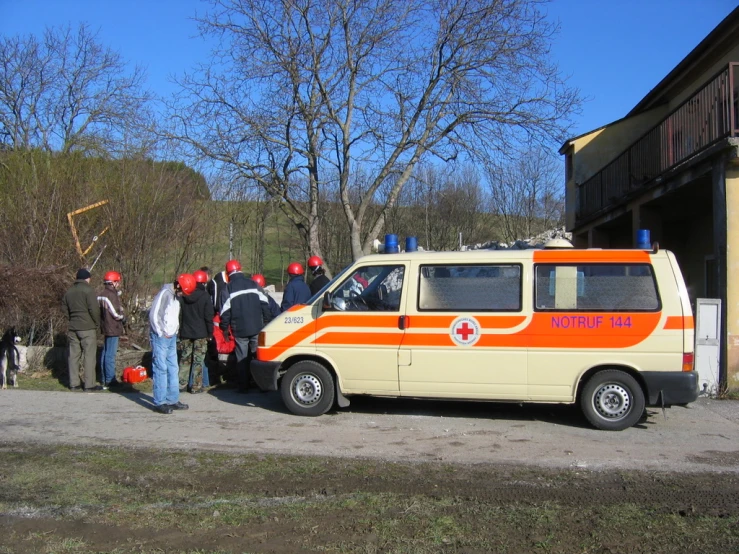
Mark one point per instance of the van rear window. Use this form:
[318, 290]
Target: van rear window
[470, 288]
[597, 287]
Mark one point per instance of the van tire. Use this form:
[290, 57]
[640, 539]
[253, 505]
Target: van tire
[612, 400]
[308, 389]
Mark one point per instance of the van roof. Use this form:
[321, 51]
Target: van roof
[593, 255]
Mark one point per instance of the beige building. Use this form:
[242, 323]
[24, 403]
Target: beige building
[671, 167]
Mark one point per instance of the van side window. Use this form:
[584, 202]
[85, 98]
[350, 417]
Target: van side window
[371, 289]
[597, 287]
[470, 288]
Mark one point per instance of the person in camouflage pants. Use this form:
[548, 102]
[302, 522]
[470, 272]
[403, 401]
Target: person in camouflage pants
[196, 329]
[192, 356]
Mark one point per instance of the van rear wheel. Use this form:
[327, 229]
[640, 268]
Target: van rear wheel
[612, 400]
[307, 389]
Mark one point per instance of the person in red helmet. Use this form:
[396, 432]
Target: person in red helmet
[111, 325]
[296, 291]
[244, 313]
[315, 264]
[274, 308]
[218, 286]
[164, 322]
[196, 329]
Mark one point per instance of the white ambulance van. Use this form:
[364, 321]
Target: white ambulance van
[610, 330]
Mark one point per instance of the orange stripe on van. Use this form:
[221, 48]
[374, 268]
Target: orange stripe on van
[679, 322]
[575, 330]
[360, 339]
[445, 321]
[380, 321]
[500, 321]
[266, 354]
[591, 256]
[359, 320]
[545, 330]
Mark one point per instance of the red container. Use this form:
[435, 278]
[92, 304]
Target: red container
[135, 374]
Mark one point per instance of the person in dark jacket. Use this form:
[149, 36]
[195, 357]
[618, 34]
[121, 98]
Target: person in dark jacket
[80, 303]
[315, 264]
[245, 311]
[296, 291]
[218, 290]
[111, 325]
[196, 329]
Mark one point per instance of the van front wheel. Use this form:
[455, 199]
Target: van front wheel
[308, 389]
[612, 400]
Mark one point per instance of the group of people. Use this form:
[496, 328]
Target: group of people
[181, 325]
[239, 304]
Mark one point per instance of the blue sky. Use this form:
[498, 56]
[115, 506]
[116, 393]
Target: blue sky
[614, 52]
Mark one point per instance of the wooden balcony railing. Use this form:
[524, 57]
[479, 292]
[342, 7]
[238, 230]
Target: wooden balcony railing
[708, 116]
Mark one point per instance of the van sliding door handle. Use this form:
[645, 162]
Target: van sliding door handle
[404, 322]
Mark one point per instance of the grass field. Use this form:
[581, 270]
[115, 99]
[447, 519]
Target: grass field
[85, 500]
[228, 230]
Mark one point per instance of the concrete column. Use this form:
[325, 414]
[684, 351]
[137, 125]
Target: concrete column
[727, 258]
[643, 217]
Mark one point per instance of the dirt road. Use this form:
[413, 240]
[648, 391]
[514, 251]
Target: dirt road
[701, 437]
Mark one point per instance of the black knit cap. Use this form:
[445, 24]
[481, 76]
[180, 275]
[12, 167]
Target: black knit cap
[82, 273]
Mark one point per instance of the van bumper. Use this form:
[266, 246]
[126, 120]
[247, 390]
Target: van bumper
[674, 387]
[265, 374]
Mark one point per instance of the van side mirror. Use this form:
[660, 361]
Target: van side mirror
[327, 302]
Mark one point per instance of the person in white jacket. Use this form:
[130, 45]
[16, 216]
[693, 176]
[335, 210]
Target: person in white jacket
[164, 323]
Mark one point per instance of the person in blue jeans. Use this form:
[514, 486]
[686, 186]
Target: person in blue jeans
[164, 323]
[111, 325]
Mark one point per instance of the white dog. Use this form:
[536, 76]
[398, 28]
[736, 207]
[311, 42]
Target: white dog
[10, 358]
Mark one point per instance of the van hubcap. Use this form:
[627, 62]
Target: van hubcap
[307, 389]
[612, 401]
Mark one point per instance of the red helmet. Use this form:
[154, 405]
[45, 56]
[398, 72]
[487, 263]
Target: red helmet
[232, 265]
[112, 276]
[200, 276]
[187, 283]
[295, 269]
[259, 280]
[314, 261]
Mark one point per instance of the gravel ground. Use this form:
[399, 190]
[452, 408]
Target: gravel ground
[698, 438]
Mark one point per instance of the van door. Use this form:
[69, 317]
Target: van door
[361, 334]
[460, 318]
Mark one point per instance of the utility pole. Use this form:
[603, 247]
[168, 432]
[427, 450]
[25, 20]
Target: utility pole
[231, 240]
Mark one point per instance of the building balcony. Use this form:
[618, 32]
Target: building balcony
[699, 123]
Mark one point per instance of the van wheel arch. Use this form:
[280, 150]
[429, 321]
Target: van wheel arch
[585, 377]
[341, 400]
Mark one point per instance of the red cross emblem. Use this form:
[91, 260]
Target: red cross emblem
[465, 331]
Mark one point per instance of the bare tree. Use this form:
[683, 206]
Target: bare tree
[304, 92]
[66, 91]
[527, 193]
[437, 205]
